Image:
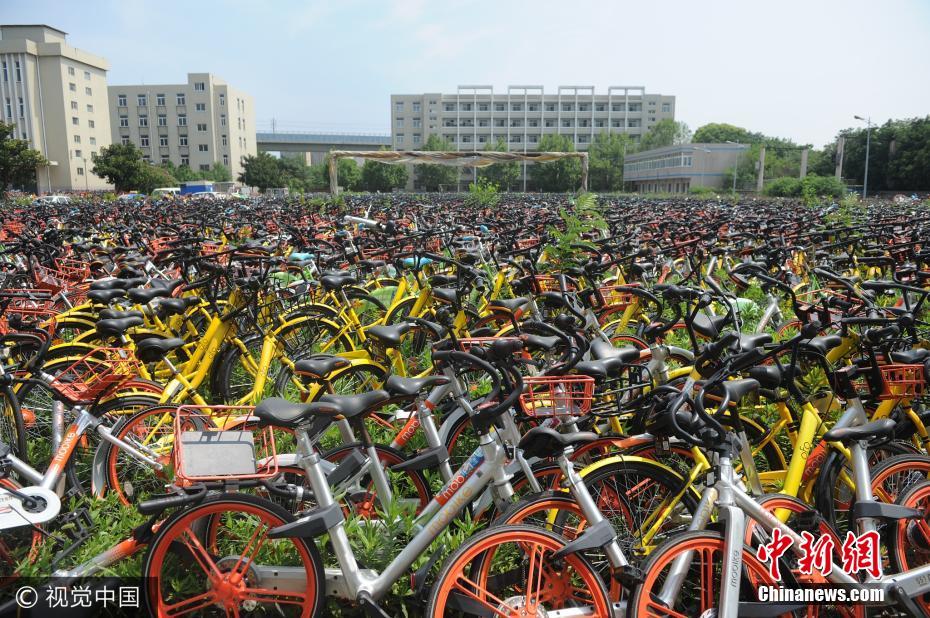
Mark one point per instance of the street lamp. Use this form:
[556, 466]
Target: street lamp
[736, 169]
[868, 142]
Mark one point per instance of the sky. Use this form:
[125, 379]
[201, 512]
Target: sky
[795, 69]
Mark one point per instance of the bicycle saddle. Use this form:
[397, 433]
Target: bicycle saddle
[350, 406]
[115, 328]
[154, 349]
[543, 442]
[603, 350]
[509, 304]
[408, 387]
[104, 297]
[320, 365]
[911, 357]
[708, 325]
[448, 295]
[873, 430]
[823, 344]
[748, 341]
[177, 306]
[115, 314]
[389, 335]
[335, 282]
[599, 369]
[145, 295]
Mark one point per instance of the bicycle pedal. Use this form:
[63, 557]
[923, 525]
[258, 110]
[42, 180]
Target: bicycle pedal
[807, 521]
[371, 608]
[629, 576]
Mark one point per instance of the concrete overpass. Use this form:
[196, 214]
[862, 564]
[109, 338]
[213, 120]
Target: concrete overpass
[315, 145]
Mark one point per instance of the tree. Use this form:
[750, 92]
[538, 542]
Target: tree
[219, 173]
[261, 170]
[152, 177]
[504, 175]
[606, 160]
[18, 162]
[348, 173]
[556, 176]
[720, 133]
[378, 176]
[909, 163]
[120, 164]
[665, 133]
[437, 177]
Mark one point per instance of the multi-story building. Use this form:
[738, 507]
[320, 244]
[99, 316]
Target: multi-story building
[475, 116]
[198, 124]
[56, 97]
[680, 168]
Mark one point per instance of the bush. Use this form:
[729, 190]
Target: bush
[702, 191]
[811, 185]
[482, 194]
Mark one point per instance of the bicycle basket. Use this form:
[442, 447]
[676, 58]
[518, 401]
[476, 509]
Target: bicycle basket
[557, 395]
[95, 374]
[548, 283]
[216, 443]
[902, 381]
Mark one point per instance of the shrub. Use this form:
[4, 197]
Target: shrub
[702, 191]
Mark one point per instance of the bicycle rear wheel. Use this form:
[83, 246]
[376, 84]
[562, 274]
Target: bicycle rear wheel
[216, 559]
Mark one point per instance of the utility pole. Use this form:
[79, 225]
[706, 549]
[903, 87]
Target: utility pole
[760, 178]
[868, 142]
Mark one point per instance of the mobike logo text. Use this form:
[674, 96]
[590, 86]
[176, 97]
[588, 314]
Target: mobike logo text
[409, 430]
[64, 451]
[815, 459]
[459, 479]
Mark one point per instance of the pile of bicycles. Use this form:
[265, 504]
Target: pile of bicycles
[386, 404]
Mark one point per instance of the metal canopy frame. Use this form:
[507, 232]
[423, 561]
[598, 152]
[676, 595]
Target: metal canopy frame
[462, 158]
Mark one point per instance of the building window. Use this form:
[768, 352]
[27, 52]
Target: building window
[74, 105]
[225, 159]
[19, 72]
[160, 99]
[449, 107]
[78, 154]
[201, 127]
[164, 160]
[399, 123]
[225, 141]
[182, 120]
[600, 107]
[123, 120]
[499, 107]
[666, 108]
[87, 75]
[182, 140]
[516, 107]
[121, 100]
[550, 107]
[163, 140]
[222, 120]
[125, 141]
[6, 73]
[77, 139]
[93, 141]
[22, 108]
[72, 86]
[416, 123]
[185, 160]
[204, 167]
[222, 99]
[180, 98]
[144, 141]
[399, 137]
[416, 138]
[143, 120]
[90, 108]
[416, 107]
[9, 109]
[399, 106]
[88, 91]
[80, 171]
[70, 70]
[162, 120]
[199, 86]
[200, 107]
[202, 148]
[91, 124]
[141, 100]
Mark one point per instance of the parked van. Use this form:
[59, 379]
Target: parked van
[158, 194]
